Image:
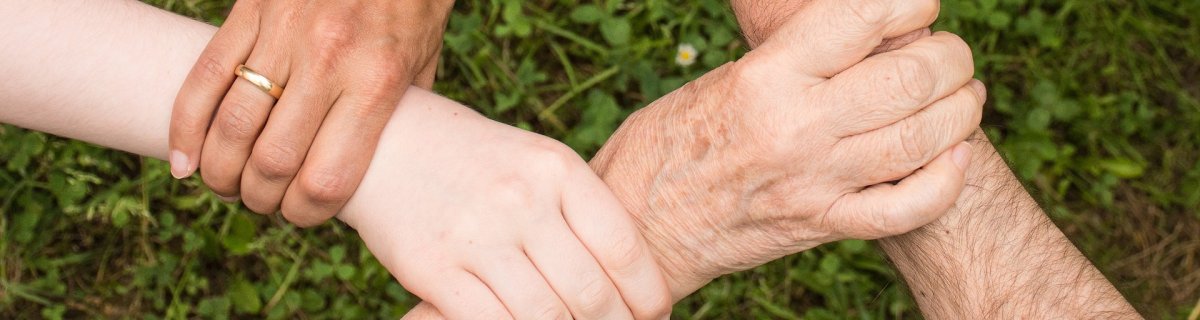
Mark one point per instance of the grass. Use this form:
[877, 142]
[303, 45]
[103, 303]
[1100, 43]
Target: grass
[1095, 104]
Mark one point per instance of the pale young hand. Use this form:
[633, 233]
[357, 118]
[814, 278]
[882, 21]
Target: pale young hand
[477, 217]
[796, 144]
[344, 66]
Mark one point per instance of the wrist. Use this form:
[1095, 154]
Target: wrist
[661, 164]
[997, 255]
[629, 174]
[972, 233]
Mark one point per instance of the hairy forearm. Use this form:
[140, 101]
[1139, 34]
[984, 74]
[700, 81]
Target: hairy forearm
[997, 255]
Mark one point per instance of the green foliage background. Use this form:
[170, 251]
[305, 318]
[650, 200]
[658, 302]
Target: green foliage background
[1094, 103]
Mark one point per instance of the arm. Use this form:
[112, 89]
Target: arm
[735, 169]
[507, 237]
[772, 155]
[745, 159]
[995, 254]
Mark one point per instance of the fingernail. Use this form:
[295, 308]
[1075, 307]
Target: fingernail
[179, 165]
[229, 199]
[962, 155]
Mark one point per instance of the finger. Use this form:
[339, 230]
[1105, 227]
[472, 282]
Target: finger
[522, 290]
[893, 85]
[339, 157]
[826, 37]
[459, 294]
[886, 210]
[423, 311]
[901, 41]
[575, 274]
[914, 141]
[428, 74]
[597, 218]
[239, 120]
[280, 150]
[207, 84]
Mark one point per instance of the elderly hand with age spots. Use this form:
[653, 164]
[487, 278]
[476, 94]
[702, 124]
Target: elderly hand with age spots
[797, 143]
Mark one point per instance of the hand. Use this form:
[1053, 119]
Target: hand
[345, 65]
[795, 144]
[492, 218]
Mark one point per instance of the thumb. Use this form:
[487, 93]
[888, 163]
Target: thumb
[827, 37]
[885, 210]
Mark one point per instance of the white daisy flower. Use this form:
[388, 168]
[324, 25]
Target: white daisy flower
[686, 55]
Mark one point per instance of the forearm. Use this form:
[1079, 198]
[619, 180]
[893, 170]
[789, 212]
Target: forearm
[99, 71]
[997, 255]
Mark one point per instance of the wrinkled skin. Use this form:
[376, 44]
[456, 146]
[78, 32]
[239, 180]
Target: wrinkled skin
[794, 146]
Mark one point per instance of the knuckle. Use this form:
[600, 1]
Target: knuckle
[259, 206]
[913, 78]
[963, 50]
[513, 192]
[952, 48]
[654, 308]
[595, 298]
[390, 71]
[869, 12]
[325, 186]
[332, 31]
[237, 124]
[305, 219]
[553, 157]
[976, 110]
[967, 111]
[912, 142]
[551, 312]
[623, 253]
[211, 70]
[955, 42]
[190, 125]
[927, 8]
[275, 161]
[217, 180]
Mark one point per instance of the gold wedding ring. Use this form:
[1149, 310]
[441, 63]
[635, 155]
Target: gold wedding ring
[258, 80]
